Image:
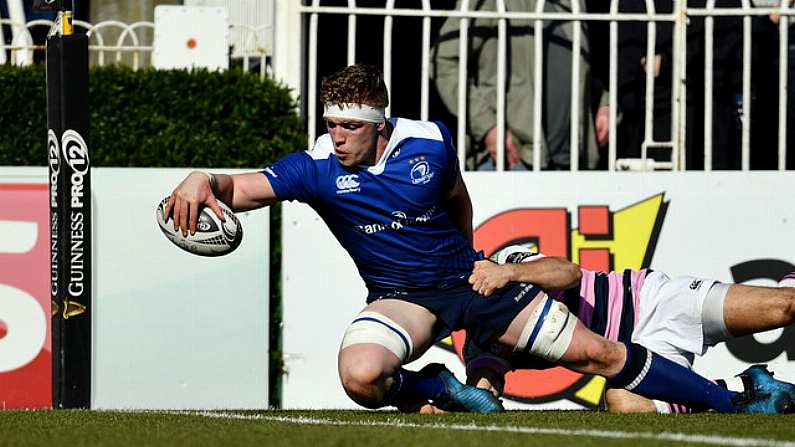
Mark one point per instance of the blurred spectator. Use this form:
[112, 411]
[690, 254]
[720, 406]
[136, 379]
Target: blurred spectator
[728, 110]
[482, 89]
[727, 101]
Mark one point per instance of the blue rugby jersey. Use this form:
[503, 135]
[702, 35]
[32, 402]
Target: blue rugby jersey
[392, 218]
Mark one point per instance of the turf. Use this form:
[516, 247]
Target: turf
[381, 429]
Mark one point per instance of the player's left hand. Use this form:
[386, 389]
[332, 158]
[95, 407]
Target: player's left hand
[489, 276]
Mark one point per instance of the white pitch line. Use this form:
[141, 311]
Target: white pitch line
[665, 436]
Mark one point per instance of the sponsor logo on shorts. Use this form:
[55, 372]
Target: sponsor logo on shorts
[525, 288]
[347, 184]
[696, 284]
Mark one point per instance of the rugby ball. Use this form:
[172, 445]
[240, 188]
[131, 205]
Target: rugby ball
[213, 237]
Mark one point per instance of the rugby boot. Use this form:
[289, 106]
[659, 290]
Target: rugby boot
[763, 394]
[460, 397]
[415, 405]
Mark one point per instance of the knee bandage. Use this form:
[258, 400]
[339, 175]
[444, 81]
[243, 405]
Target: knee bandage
[372, 327]
[548, 332]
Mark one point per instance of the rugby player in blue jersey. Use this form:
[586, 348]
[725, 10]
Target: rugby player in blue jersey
[391, 192]
[679, 317]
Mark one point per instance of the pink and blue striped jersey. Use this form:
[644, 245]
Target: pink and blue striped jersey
[607, 303]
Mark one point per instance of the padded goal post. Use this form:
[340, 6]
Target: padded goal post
[70, 211]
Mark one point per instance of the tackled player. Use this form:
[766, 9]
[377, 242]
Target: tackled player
[679, 318]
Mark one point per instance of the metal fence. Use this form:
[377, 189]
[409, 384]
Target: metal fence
[289, 46]
[116, 42]
[679, 19]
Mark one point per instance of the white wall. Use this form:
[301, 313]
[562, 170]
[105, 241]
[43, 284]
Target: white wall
[170, 329]
[713, 221]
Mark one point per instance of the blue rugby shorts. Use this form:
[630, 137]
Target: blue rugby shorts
[457, 306]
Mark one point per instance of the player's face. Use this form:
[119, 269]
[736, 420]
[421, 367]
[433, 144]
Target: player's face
[354, 141]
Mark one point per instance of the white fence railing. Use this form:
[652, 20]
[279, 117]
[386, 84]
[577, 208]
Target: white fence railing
[288, 64]
[678, 18]
[134, 39]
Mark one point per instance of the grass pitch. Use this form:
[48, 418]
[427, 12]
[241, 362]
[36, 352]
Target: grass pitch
[381, 429]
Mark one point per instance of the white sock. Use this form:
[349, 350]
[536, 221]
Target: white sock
[662, 407]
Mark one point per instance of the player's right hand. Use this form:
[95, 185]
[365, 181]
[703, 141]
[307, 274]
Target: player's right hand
[186, 200]
[488, 276]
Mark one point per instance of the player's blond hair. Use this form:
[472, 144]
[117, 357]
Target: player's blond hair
[355, 84]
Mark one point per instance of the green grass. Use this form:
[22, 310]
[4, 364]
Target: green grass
[381, 429]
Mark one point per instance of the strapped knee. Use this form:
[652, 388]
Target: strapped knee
[373, 327]
[548, 331]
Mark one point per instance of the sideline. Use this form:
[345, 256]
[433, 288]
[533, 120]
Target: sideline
[664, 436]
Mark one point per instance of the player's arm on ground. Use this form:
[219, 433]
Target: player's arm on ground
[549, 273]
[240, 191]
[460, 207]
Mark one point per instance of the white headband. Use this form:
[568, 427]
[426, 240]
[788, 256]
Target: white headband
[361, 112]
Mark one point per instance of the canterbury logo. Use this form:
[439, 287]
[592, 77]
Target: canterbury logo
[347, 182]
